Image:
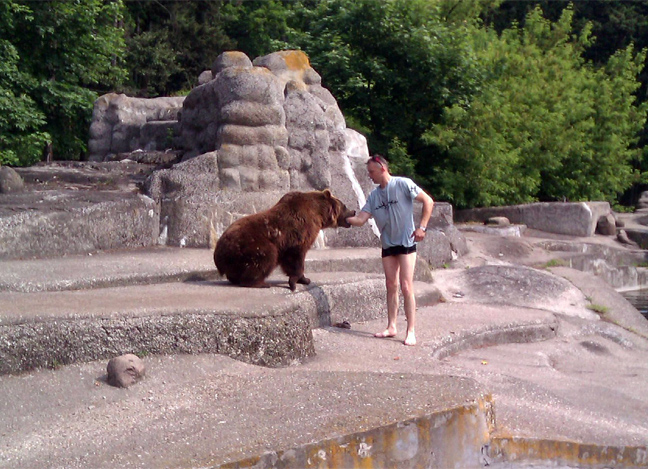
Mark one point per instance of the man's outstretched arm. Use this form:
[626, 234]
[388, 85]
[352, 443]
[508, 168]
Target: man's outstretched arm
[359, 219]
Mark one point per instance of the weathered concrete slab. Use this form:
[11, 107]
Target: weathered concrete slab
[612, 306]
[570, 218]
[162, 264]
[74, 223]
[509, 230]
[208, 411]
[81, 308]
[511, 379]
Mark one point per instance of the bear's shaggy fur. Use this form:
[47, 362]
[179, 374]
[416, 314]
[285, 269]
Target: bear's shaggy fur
[253, 246]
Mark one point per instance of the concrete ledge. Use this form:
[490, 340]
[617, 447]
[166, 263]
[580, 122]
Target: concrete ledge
[452, 438]
[161, 264]
[258, 326]
[270, 341]
[165, 301]
[510, 230]
[525, 452]
[569, 218]
[532, 331]
[78, 222]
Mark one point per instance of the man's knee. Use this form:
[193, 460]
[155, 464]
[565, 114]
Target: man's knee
[407, 288]
[391, 284]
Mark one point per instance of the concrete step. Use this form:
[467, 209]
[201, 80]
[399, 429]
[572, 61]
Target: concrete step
[211, 411]
[166, 301]
[325, 397]
[55, 223]
[161, 265]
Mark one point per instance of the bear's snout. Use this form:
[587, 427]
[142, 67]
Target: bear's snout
[346, 213]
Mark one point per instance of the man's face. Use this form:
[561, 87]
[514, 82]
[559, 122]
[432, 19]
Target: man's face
[375, 171]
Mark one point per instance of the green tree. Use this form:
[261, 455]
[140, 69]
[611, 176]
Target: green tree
[66, 51]
[171, 42]
[21, 122]
[259, 27]
[152, 63]
[392, 65]
[546, 126]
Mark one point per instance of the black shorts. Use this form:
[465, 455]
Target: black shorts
[398, 250]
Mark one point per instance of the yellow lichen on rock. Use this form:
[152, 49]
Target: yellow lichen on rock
[295, 59]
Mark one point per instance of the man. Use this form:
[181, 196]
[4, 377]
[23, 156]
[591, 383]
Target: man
[391, 206]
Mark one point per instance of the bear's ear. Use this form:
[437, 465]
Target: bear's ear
[327, 193]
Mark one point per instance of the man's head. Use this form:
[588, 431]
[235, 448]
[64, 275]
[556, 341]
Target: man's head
[378, 169]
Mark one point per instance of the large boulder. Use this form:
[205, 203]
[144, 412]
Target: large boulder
[57, 223]
[568, 218]
[261, 128]
[122, 124]
[10, 181]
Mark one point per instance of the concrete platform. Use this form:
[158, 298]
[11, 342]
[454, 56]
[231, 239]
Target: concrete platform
[489, 384]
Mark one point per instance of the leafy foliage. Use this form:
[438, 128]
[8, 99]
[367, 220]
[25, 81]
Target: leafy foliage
[169, 43]
[52, 53]
[259, 27]
[21, 137]
[393, 66]
[546, 126]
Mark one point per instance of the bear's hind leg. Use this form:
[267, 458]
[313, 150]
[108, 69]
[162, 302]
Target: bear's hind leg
[257, 267]
[261, 283]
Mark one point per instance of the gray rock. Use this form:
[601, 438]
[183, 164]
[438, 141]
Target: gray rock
[622, 236]
[117, 122]
[230, 59]
[10, 181]
[642, 203]
[125, 370]
[75, 222]
[498, 221]
[569, 218]
[205, 76]
[606, 225]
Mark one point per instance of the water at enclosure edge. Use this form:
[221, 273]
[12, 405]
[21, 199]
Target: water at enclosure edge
[638, 299]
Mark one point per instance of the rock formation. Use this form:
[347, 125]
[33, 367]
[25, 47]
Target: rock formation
[10, 180]
[121, 124]
[252, 133]
[248, 133]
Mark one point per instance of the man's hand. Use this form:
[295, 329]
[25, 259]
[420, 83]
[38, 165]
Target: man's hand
[359, 220]
[419, 234]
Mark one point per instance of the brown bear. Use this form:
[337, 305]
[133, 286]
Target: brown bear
[253, 246]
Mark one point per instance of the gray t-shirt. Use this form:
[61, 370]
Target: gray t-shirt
[393, 210]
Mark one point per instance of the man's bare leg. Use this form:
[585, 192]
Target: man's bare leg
[391, 267]
[407, 264]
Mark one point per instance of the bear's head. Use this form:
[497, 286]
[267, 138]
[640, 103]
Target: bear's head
[338, 212]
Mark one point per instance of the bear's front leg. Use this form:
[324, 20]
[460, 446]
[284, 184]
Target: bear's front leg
[292, 263]
[293, 280]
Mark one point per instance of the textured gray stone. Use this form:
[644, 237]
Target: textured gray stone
[117, 122]
[570, 218]
[606, 225]
[230, 59]
[125, 370]
[10, 180]
[73, 222]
